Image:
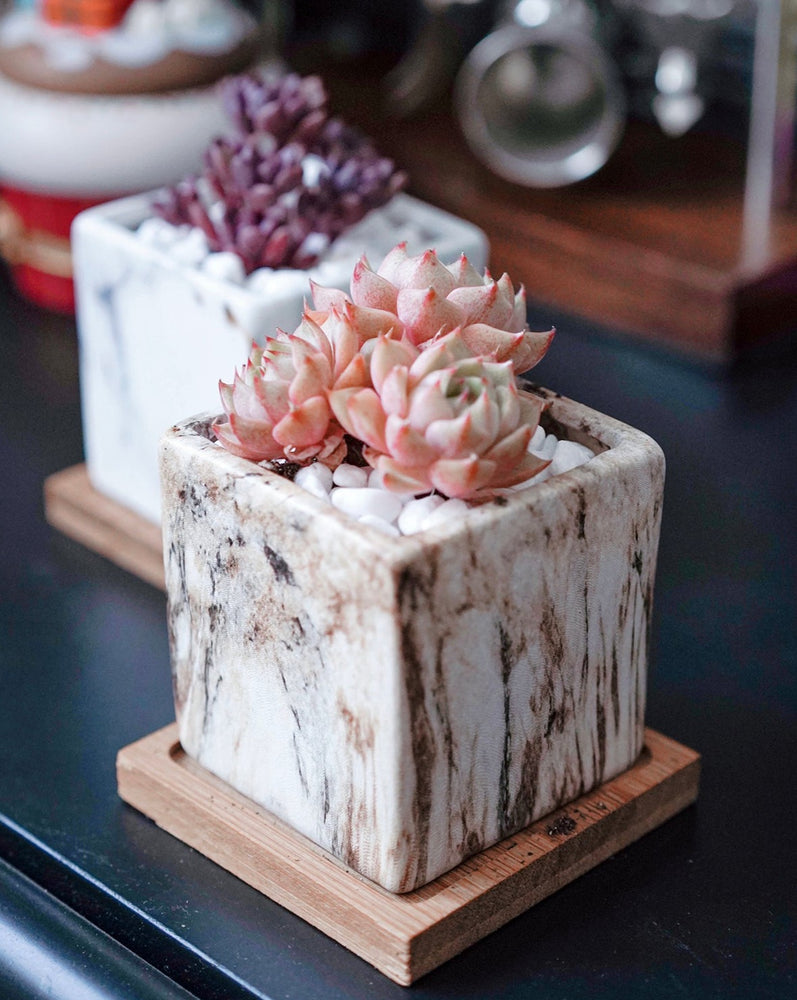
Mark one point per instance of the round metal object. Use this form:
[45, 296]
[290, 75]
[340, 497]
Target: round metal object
[540, 106]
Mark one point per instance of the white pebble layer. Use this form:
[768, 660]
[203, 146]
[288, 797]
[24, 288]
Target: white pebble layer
[225, 266]
[191, 249]
[359, 492]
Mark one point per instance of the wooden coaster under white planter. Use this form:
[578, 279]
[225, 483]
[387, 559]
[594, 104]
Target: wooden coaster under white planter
[404, 936]
[107, 527]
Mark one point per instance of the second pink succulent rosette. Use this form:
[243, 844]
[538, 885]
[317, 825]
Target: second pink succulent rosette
[415, 369]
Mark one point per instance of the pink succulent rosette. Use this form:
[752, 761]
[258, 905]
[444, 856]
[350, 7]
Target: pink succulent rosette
[442, 419]
[277, 406]
[418, 366]
[430, 299]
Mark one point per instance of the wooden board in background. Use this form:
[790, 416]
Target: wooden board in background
[651, 246]
[73, 506]
[404, 936]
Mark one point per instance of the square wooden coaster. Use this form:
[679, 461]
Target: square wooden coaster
[74, 507]
[404, 936]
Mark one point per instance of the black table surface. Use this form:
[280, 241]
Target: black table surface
[95, 901]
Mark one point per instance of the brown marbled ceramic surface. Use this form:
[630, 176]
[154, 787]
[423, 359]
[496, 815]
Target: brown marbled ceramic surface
[406, 702]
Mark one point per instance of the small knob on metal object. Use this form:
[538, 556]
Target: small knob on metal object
[677, 106]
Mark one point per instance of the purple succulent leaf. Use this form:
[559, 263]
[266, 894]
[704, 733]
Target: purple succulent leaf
[250, 241]
[278, 248]
[261, 196]
[309, 128]
[258, 175]
[302, 259]
[288, 178]
[242, 168]
[198, 217]
[268, 118]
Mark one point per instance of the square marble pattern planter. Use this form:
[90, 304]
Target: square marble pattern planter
[156, 335]
[405, 702]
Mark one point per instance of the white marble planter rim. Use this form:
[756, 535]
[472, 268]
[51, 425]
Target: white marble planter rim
[616, 444]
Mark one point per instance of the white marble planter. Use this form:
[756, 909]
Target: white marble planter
[156, 335]
[406, 702]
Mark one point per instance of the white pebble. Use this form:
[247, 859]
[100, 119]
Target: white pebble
[261, 280]
[314, 244]
[313, 169]
[362, 501]
[547, 448]
[350, 475]
[316, 479]
[187, 14]
[144, 17]
[191, 249]
[537, 440]
[71, 55]
[415, 513]
[447, 511]
[216, 211]
[380, 524]
[376, 480]
[284, 283]
[569, 455]
[316, 470]
[226, 266]
[158, 232]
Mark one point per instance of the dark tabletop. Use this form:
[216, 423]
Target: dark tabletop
[95, 901]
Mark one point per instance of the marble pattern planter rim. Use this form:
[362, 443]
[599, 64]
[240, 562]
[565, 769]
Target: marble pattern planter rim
[121, 217]
[611, 441]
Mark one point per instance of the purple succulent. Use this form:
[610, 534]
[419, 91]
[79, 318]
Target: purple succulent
[288, 183]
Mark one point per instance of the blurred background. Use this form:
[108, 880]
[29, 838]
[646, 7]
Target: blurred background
[661, 130]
